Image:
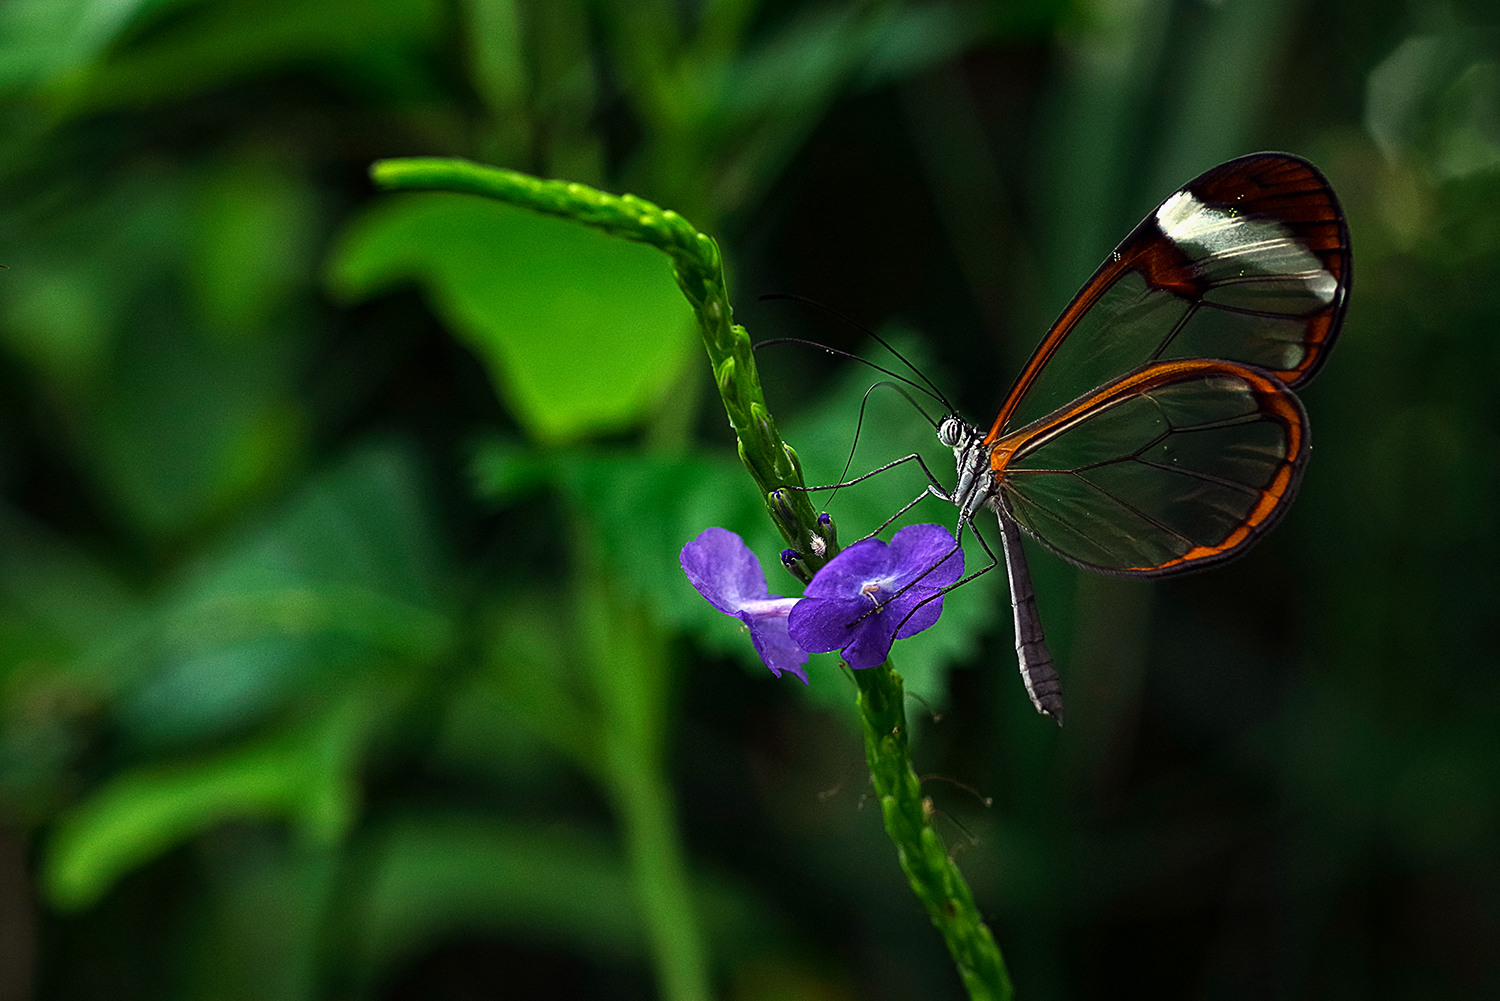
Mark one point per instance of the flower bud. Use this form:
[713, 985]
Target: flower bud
[725, 375]
[765, 427]
[829, 530]
[780, 503]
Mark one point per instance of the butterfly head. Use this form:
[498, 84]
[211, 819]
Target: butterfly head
[952, 432]
[975, 487]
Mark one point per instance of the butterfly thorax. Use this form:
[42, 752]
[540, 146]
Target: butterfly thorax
[977, 486]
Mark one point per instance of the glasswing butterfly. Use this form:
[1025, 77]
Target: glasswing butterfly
[1154, 429]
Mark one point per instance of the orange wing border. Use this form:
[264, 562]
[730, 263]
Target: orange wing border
[1274, 401]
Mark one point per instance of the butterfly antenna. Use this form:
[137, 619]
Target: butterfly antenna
[852, 357]
[936, 393]
[915, 405]
[859, 425]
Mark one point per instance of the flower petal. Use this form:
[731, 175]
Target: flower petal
[923, 617]
[872, 645]
[777, 649]
[723, 569]
[916, 548]
[823, 624]
[849, 571]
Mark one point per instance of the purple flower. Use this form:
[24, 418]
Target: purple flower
[832, 614]
[726, 572]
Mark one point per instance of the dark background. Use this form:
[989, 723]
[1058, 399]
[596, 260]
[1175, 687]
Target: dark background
[300, 527]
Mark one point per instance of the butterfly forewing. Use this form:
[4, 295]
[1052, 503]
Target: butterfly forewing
[1178, 464]
[1248, 263]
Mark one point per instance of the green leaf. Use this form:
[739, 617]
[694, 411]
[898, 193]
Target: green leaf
[251, 246]
[54, 587]
[534, 669]
[42, 39]
[234, 953]
[580, 332]
[305, 776]
[78, 274]
[59, 318]
[1432, 102]
[818, 51]
[175, 428]
[646, 508]
[497, 55]
[344, 584]
[221, 40]
[365, 523]
[182, 430]
[431, 876]
[762, 105]
[56, 602]
[504, 469]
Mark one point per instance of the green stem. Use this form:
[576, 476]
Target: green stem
[657, 865]
[700, 273]
[629, 663]
[934, 877]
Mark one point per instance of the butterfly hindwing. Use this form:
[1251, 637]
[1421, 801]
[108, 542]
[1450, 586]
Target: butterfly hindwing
[1175, 466]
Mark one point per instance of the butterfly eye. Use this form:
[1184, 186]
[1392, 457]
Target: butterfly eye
[950, 432]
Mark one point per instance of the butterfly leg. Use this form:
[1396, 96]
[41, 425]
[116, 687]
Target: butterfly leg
[1037, 669]
[957, 545]
[875, 472]
[1038, 672]
[929, 492]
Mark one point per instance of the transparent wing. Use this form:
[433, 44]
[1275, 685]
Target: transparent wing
[1175, 466]
[1247, 263]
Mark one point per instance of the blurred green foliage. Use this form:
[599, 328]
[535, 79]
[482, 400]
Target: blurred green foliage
[578, 331]
[343, 647]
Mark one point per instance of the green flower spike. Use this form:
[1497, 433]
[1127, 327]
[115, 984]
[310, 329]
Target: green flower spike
[773, 464]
